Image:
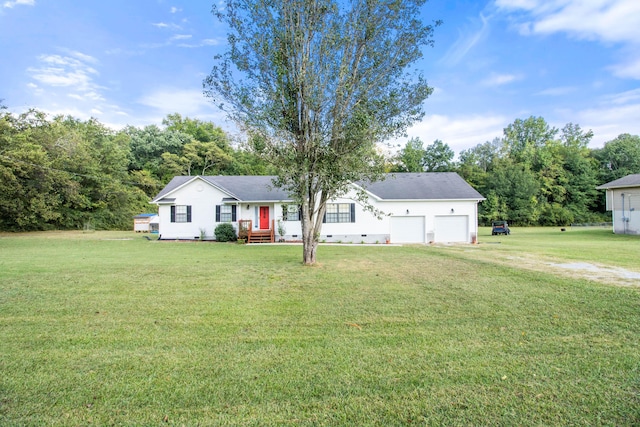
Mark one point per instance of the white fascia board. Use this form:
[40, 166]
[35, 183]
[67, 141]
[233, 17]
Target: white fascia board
[219, 187]
[617, 187]
[369, 193]
[433, 200]
[197, 177]
[265, 201]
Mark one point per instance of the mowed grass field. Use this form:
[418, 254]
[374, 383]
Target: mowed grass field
[108, 328]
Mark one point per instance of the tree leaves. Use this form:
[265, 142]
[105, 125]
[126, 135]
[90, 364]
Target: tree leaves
[319, 84]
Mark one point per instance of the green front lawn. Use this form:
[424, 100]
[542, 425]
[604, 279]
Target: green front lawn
[102, 331]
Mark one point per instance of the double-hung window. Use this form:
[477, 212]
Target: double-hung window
[340, 212]
[181, 213]
[225, 213]
[291, 212]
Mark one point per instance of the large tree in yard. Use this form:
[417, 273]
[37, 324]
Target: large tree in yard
[317, 84]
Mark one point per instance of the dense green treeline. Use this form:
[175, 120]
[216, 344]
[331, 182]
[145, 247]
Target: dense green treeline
[64, 173]
[535, 174]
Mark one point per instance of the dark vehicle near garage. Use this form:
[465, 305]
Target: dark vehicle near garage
[500, 227]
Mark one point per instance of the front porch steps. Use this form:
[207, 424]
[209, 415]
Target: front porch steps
[246, 231]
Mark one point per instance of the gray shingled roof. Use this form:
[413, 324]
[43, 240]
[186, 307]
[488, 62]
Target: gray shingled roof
[244, 188]
[398, 186]
[423, 186]
[626, 181]
[249, 188]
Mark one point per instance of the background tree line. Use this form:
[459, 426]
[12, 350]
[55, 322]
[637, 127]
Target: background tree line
[534, 174]
[65, 173]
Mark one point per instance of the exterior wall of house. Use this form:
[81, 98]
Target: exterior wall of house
[370, 229]
[202, 198]
[625, 206]
[432, 216]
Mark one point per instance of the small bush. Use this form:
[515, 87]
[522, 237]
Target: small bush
[225, 233]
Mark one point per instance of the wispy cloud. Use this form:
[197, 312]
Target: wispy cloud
[12, 3]
[165, 25]
[74, 71]
[604, 20]
[466, 41]
[211, 42]
[629, 69]
[175, 10]
[187, 102]
[496, 79]
[181, 37]
[172, 100]
[628, 97]
[557, 91]
[609, 116]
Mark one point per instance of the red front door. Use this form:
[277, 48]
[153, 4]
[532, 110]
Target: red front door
[264, 217]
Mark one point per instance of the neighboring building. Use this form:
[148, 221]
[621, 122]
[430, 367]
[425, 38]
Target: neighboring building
[417, 207]
[623, 197]
[145, 223]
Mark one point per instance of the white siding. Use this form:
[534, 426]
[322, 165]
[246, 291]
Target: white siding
[421, 215]
[202, 198]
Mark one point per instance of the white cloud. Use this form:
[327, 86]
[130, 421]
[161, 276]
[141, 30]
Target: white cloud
[604, 20]
[11, 4]
[175, 10]
[557, 91]
[466, 41]
[609, 122]
[211, 42]
[164, 25]
[181, 37]
[71, 72]
[623, 97]
[459, 133]
[609, 117]
[500, 79]
[187, 102]
[629, 69]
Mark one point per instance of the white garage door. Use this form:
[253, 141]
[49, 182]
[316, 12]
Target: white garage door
[452, 228]
[407, 229]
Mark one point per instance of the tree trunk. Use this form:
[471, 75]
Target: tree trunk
[309, 246]
[312, 213]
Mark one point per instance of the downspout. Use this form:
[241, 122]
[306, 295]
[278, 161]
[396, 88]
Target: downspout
[630, 209]
[474, 238]
[624, 219]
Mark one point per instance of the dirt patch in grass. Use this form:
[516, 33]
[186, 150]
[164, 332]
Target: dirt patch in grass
[575, 269]
[615, 275]
[580, 270]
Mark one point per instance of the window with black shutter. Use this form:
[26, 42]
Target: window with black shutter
[181, 213]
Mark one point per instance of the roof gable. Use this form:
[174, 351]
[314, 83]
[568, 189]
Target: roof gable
[175, 183]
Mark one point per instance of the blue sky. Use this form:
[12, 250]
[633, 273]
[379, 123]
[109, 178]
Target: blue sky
[135, 61]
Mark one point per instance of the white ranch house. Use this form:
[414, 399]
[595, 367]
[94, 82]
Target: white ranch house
[417, 207]
[623, 200]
